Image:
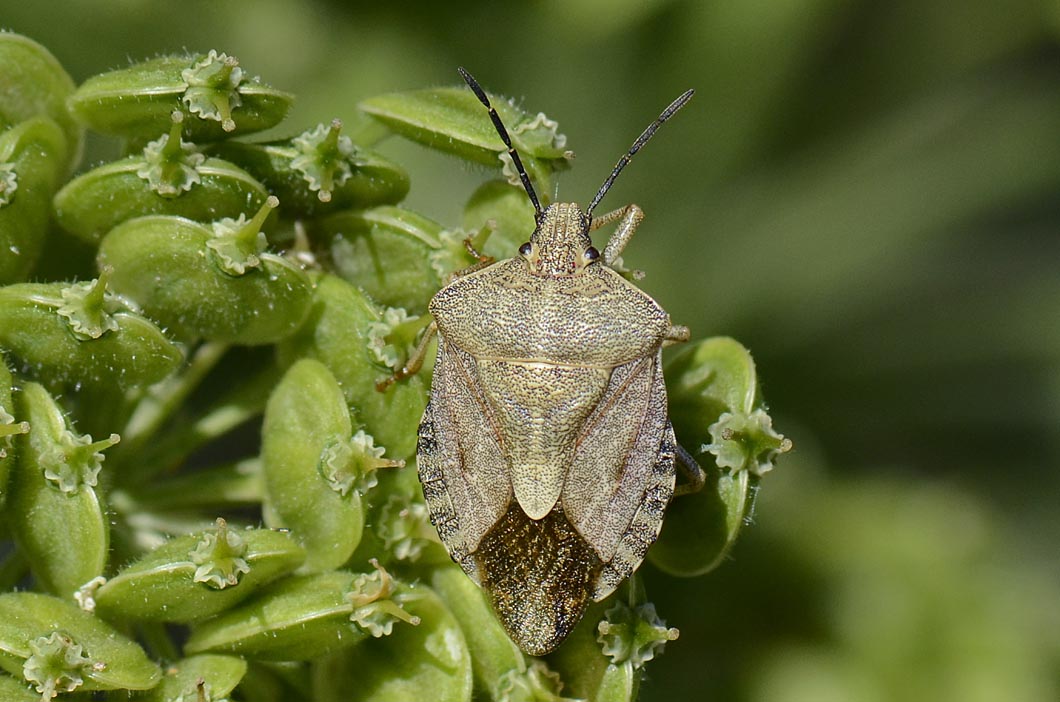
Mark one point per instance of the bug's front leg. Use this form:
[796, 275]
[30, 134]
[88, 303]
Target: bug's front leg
[415, 362]
[629, 218]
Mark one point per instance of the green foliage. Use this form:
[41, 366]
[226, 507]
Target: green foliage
[218, 304]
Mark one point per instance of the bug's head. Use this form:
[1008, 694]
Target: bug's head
[560, 245]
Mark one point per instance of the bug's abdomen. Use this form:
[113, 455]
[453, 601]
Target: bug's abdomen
[541, 409]
[539, 576]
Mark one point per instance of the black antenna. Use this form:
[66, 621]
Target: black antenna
[481, 95]
[641, 141]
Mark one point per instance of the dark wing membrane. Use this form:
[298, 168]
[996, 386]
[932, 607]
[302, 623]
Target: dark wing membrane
[622, 474]
[459, 458]
[539, 576]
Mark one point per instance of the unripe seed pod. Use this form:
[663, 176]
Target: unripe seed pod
[35, 84]
[170, 177]
[387, 252]
[450, 120]
[426, 662]
[338, 333]
[218, 96]
[713, 393]
[54, 509]
[68, 334]
[197, 576]
[315, 473]
[303, 618]
[320, 171]
[206, 677]
[85, 654]
[32, 157]
[210, 281]
[10, 427]
[495, 659]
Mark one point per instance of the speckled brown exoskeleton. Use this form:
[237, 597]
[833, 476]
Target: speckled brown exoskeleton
[545, 452]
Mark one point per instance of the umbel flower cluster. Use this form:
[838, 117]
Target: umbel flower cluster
[206, 289]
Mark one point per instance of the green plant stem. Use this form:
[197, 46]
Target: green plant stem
[159, 405]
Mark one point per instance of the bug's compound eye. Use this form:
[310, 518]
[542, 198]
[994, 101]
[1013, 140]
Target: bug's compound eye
[591, 254]
[525, 249]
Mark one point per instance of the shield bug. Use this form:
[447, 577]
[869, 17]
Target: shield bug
[545, 452]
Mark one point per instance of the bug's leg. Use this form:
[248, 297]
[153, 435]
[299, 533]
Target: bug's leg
[689, 468]
[473, 243]
[629, 218]
[678, 334]
[415, 362]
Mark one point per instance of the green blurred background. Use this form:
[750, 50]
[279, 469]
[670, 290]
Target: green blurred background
[867, 195]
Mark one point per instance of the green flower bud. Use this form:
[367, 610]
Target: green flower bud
[35, 84]
[428, 661]
[169, 177]
[315, 473]
[219, 97]
[336, 333]
[85, 654]
[196, 576]
[70, 334]
[712, 388]
[31, 162]
[215, 282]
[54, 510]
[206, 678]
[453, 120]
[320, 171]
[386, 252]
[303, 618]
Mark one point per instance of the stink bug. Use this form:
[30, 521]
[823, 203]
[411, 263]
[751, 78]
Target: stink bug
[545, 452]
